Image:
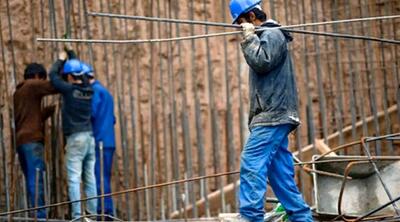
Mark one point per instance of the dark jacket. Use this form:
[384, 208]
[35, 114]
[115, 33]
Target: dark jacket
[103, 118]
[28, 111]
[77, 102]
[273, 91]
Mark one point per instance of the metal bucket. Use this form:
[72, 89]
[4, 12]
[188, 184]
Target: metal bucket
[362, 193]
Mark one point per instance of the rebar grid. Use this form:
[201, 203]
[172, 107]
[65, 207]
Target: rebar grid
[360, 75]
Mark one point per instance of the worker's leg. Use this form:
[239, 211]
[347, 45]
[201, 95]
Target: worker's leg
[89, 179]
[256, 157]
[73, 159]
[31, 156]
[281, 179]
[108, 154]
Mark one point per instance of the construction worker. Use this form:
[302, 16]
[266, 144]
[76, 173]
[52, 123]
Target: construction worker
[103, 121]
[77, 127]
[273, 115]
[30, 119]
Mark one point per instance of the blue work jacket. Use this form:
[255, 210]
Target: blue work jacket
[103, 118]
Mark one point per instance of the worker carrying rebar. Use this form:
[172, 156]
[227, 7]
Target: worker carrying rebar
[273, 115]
[30, 119]
[103, 120]
[68, 78]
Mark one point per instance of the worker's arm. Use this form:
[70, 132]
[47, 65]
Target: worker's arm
[42, 87]
[48, 111]
[55, 75]
[263, 53]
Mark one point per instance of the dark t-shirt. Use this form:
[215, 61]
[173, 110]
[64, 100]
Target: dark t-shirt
[28, 112]
[77, 102]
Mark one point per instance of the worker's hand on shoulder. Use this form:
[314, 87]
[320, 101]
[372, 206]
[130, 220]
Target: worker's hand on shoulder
[248, 29]
[63, 56]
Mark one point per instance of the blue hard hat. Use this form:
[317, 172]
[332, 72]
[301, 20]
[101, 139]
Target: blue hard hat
[73, 67]
[238, 7]
[87, 69]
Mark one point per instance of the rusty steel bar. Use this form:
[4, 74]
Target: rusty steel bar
[230, 148]
[119, 92]
[152, 139]
[140, 41]
[2, 144]
[339, 75]
[185, 120]
[88, 33]
[370, 67]
[164, 166]
[122, 192]
[227, 25]
[353, 71]
[321, 95]
[385, 83]
[212, 112]
[198, 119]
[309, 107]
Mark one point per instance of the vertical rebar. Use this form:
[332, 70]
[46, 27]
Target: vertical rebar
[198, 120]
[2, 144]
[11, 39]
[185, 119]
[32, 18]
[353, 71]
[213, 113]
[88, 33]
[229, 119]
[175, 153]
[152, 135]
[321, 94]
[105, 51]
[241, 109]
[135, 198]
[45, 191]
[339, 76]
[101, 155]
[396, 65]
[164, 117]
[305, 53]
[121, 114]
[385, 83]
[147, 196]
[370, 71]
[139, 121]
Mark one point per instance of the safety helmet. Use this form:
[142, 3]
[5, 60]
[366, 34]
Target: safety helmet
[73, 67]
[87, 69]
[238, 7]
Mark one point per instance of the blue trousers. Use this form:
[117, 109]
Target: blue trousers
[108, 154]
[265, 156]
[31, 157]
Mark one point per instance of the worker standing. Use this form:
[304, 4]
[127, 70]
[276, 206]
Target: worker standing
[76, 113]
[29, 122]
[273, 115]
[103, 120]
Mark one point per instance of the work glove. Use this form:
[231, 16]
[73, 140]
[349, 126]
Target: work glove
[248, 29]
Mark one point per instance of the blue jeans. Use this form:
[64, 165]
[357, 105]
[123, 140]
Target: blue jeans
[80, 156]
[265, 155]
[31, 157]
[108, 154]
